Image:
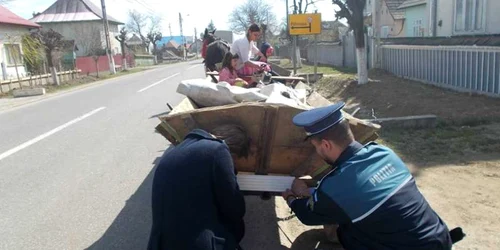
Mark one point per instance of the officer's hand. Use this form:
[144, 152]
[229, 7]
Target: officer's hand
[287, 193]
[300, 188]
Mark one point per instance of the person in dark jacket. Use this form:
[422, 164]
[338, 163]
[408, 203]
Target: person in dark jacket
[369, 195]
[196, 201]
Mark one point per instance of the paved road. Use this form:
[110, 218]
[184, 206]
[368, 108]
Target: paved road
[75, 169]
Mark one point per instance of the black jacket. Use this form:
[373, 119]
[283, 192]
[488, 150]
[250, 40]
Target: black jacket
[196, 200]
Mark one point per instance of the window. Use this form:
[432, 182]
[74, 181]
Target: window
[384, 33]
[13, 53]
[469, 15]
[418, 30]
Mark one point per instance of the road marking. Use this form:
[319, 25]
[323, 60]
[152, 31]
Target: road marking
[194, 66]
[43, 136]
[158, 82]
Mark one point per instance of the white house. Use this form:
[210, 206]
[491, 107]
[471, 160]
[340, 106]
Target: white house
[12, 27]
[79, 20]
[466, 17]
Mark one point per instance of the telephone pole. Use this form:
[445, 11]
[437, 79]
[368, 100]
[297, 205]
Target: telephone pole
[183, 38]
[111, 61]
[196, 41]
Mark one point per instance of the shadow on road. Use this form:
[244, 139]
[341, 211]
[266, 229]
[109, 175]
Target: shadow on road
[130, 229]
[261, 226]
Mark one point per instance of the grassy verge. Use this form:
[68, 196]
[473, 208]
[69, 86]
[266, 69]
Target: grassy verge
[325, 69]
[84, 79]
[444, 144]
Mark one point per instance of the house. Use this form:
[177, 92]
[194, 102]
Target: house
[466, 17]
[391, 18]
[136, 45]
[330, 31]
[177, 39]
[12, 27]
[196, 46]
[416, 18]
[82, 21]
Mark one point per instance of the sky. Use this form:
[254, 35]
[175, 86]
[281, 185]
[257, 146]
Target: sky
[195, 13]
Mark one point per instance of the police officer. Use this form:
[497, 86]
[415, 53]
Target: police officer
[370, 196]
[196, 201]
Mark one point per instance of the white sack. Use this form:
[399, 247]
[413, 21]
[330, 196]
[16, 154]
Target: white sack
[206, 93]
[209, 94]
[241, 94]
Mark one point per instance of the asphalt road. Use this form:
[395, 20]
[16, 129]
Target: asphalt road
[75, 169]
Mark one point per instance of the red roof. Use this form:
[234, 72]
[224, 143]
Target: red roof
[6, 16]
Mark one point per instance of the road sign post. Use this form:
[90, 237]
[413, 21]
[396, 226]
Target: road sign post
[304, 24]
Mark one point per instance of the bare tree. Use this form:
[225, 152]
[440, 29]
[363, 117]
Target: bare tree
[253, 11]
[154, 37]
[52, 42]
[143, 25]
[137, 24]
[352, 10]
[302, 6]
[122, 38]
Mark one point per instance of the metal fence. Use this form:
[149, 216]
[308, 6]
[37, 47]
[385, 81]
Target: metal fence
[464, 68]
[341, 54]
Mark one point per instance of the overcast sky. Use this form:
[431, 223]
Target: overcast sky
[196, 13]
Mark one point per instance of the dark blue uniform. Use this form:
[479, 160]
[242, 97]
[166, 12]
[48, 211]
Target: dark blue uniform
[374, 199]
[370, 194]
[196, 200]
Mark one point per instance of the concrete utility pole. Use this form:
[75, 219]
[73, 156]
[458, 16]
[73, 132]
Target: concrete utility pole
[196, 41]
[183, 38]
[376, 7]
[111, 61]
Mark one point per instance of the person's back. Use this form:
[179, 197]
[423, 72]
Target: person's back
[383, 208]
[196, 203]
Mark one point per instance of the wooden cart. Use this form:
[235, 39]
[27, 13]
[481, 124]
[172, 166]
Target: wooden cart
[278, 148]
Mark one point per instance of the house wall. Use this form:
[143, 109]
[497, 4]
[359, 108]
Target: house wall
[395, 26]
[11, 34]
[413, 14]
[81, 31]
[225, 35]
[446, 13]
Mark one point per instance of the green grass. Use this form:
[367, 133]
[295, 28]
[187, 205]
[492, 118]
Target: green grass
[325, 69]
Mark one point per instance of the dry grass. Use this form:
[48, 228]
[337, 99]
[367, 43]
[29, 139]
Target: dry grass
[84, 79]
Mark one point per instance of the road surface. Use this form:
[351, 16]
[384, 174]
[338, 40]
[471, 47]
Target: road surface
[75, 169]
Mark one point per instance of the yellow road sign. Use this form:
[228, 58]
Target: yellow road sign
[305, 24]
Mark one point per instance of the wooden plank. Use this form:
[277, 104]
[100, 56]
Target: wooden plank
[185, 105]
[268, 126]
[288, 78]
[316, 100]
[264, 183]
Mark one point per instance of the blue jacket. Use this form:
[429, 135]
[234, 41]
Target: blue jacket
[373, 198]
[196, 200]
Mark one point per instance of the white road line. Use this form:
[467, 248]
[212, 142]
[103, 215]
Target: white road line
[194, 66]
[158, 82]
[43, 136]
